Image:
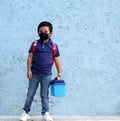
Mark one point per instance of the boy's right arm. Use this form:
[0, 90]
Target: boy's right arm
[29, 64]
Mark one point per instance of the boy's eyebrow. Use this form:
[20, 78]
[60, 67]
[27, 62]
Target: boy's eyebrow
[43, 31]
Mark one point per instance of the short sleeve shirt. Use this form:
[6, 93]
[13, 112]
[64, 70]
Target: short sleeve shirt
[43, 58]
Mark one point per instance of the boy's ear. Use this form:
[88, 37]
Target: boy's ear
[51, 33]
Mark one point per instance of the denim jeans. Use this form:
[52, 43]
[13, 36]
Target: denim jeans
[44, 82]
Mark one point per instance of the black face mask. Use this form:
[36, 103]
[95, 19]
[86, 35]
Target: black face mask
[43, 36]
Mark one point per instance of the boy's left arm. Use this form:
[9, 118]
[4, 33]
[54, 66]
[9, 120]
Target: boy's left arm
[58, 65]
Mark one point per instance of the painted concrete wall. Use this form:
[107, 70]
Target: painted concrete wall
[88, 35]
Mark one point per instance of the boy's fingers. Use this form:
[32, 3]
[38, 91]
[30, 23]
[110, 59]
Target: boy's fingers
[60, 73]
[29, 75]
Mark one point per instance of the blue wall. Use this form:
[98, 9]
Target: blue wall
[88, 35]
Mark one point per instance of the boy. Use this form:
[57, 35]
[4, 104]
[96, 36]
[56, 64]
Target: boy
[39, 69]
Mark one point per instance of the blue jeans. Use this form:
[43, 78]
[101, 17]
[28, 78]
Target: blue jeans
[44, 82]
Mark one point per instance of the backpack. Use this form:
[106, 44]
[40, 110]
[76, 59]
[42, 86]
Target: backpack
[54, 48]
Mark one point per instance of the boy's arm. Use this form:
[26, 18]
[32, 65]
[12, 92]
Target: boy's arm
[58, 65]
[29, 63]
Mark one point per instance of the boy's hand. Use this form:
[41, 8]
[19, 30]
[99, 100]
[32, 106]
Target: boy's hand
[59, 76]
[29, 74]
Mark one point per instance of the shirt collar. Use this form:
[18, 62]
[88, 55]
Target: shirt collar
[49, 41]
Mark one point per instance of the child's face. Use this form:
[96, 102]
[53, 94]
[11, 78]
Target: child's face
[45, 29]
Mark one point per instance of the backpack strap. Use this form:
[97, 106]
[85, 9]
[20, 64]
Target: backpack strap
[54, 50]
[34, 46]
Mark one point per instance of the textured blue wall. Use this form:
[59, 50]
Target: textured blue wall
[88, 35]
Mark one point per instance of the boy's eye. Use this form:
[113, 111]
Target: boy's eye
[44, 32]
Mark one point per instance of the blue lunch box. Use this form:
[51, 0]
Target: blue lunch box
[58, 88]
